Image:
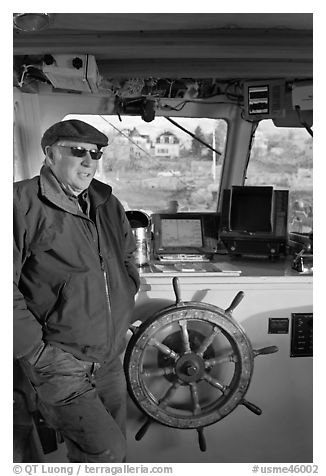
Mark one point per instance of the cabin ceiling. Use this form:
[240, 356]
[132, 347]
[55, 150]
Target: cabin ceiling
[124, 22]
[226, 46]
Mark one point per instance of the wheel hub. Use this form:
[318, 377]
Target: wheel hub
[190, 368]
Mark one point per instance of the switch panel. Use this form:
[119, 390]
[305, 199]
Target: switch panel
[278, 325]
[301, 335]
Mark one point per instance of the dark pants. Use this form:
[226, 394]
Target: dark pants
[85, 403]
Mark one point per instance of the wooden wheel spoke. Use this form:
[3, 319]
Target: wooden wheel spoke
[215, 383]
[169, 394]
[164, 348]
[157, 372]
[185, 335]
[221, 359]
[207, 341]
[195, 398]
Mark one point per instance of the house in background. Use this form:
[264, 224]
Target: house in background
[128, 144]
[140, 144]
[167, 145]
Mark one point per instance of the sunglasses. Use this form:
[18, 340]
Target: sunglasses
[77, 151]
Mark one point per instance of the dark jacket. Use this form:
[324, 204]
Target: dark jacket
[74, 278]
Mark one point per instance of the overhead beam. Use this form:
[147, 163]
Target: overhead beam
[232, 44]
[203, 68]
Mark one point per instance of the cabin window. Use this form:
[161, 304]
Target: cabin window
[282, 157]
[148, 174]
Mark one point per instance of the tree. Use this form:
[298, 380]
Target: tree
[196, 147]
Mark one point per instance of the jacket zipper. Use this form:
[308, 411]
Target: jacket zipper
[106, 281]
[106, 277]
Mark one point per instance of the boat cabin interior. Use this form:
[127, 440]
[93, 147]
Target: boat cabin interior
[209, 119]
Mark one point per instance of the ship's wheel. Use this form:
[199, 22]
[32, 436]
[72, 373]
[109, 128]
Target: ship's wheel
[190, 365]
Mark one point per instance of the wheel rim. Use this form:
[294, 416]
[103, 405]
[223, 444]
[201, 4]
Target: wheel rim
[189, 366]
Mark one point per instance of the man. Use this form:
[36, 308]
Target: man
[74, 288]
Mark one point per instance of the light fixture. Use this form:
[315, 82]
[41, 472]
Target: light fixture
[31, 21]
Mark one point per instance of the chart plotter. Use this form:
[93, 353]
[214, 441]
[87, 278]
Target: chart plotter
[185, 236]
[185, 242]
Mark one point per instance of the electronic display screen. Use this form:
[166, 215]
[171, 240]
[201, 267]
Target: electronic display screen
[251, 209]
[258, 99]
[181, 233]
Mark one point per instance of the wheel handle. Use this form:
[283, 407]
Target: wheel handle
[177, 290]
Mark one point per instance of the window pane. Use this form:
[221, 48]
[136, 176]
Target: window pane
[282, 157]
[158, 167]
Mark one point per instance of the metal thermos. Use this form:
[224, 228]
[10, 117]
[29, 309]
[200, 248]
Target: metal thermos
[140, 225]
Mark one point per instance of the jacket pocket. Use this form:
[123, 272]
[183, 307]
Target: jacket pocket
[59, 297]
[58, 377]
[53, 358]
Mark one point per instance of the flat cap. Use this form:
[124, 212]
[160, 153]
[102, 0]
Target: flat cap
[76, 130]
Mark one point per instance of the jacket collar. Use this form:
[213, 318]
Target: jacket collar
[52, 190]
[99, 192]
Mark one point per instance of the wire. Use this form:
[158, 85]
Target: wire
[178, 107]
[192, 135]
[181, 105]
[254, 121]
[26, 68]
[127, 137]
